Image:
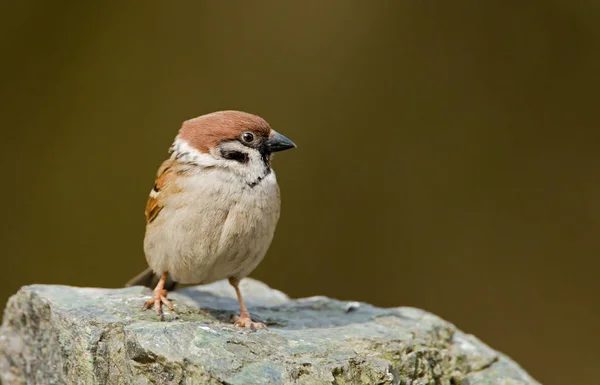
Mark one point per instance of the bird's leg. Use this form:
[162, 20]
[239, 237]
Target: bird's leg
[159, 297]
[243, 320]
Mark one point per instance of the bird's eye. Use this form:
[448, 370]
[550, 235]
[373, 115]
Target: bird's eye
[248, 137]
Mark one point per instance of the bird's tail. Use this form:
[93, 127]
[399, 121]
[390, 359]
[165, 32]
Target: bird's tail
[149, 279]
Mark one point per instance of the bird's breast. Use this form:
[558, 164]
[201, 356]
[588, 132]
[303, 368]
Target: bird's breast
[215, 227]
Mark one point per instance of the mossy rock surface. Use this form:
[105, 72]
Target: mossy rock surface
[70, 335]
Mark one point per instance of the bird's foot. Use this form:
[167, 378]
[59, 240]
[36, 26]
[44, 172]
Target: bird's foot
[244, 321]
[159, 297]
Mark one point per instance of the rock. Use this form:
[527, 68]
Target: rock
[68, 335]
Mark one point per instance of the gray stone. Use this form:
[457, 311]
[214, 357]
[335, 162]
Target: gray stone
[68, 335]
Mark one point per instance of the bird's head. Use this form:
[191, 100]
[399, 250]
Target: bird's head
[235, 140]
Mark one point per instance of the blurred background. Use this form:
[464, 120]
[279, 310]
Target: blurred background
[448, 151]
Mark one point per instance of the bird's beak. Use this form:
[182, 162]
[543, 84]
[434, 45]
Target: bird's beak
[278, 142]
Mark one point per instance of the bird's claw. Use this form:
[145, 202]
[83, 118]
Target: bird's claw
[244, 321]
[159, 298]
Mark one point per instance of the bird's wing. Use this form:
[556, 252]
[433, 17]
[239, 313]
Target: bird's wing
[163, 184]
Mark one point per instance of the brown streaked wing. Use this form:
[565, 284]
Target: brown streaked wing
[152, 209]
[154, 204]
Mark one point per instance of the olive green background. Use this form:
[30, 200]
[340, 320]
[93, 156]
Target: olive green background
[447, 151]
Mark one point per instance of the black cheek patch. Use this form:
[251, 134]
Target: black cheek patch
[238, 156]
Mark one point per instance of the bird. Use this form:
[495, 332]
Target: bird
[213, 209]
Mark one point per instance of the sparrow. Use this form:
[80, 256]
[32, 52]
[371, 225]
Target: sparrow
[214, 206]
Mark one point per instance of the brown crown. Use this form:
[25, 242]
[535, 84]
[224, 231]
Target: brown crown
[206, 131]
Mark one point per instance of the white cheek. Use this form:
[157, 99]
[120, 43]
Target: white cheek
[249, 172]
[187, 154]
[251, 169]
